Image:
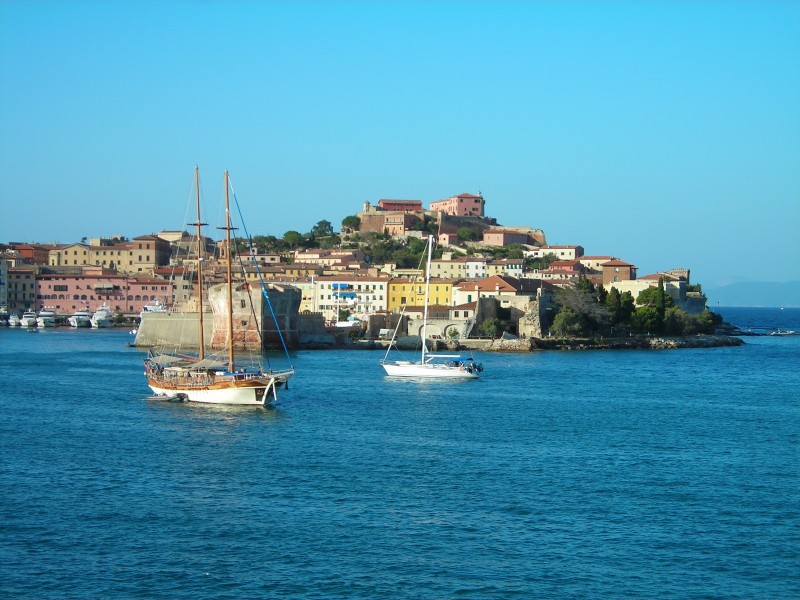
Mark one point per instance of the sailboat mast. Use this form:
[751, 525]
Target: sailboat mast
[201, 353]
[230, 288]
[425, 310]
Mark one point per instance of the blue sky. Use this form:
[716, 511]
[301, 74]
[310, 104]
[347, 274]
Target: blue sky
[664, 133]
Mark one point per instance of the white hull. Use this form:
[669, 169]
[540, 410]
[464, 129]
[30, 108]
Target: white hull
[97, 323]
[28, 322]
[427, 371]
[79, 321]
[238, 396]
[13, 321]
[46, 322]
[103, 317]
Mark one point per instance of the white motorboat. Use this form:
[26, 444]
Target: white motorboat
[13, 320]
[46, 318]
[102, 317]
[81, 318]
[430, 366]
[213, 379]
[156, 307]
[28, 319]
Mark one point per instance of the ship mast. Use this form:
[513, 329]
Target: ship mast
[230, 288]
[198, 224]
[425, 310]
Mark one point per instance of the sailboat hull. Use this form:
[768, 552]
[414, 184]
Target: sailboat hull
[250, 392]
[427, 371]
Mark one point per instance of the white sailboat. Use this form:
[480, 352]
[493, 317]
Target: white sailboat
[430, 366]
[214, 379]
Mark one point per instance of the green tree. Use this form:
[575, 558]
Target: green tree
[540, 263]
[649, 297]
[676, 321]
[322, 229]
[581, 299]
[293, 238]
[491, 328]
[645, 319]
[569, 323]
[627, 306]
[352, 222]
[466, 234]
[614, 305]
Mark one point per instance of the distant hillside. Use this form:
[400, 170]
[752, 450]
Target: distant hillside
[750, 293]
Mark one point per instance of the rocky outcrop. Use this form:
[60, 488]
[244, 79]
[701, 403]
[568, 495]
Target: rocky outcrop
[638, 343]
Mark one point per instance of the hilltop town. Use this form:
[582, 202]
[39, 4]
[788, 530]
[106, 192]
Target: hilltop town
[487, 280]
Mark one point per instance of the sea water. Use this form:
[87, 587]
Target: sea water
[584, 474]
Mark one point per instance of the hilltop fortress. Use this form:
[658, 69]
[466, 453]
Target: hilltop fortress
[463, 212]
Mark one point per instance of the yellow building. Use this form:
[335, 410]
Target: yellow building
[73, 255]
[412, 293]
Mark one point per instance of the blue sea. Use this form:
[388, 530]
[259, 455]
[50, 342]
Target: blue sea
[584, 474]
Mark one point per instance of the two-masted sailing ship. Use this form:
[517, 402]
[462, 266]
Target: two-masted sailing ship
[214, 379]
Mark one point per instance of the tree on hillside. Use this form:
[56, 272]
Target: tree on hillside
[352, 222]
[650, 297]
[582, 300]
[322, 229]
[293, 238]
[466, 234]
[619, 306]
[540, 263]
[645, 319]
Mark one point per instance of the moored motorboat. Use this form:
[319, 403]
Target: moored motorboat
[80, 318]
[46, 318]
[102, 317]
[28, 319]
[155, 307]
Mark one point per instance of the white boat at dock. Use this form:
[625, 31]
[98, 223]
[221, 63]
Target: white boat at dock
[102, 317]
[46, 318]
[28, 319]
[80, 318]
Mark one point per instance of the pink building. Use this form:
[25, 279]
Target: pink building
[88, 291]
[463, 205]
[401, 205]
[502, 237]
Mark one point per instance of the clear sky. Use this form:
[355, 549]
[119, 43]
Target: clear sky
[664, 133]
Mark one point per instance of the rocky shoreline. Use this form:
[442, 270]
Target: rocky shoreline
[632, 343]
[521, 345]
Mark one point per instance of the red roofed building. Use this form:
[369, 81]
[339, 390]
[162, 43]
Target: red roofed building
[463, 205]
[595, 263]
[618, 270]
[563, 269]
[400, 205]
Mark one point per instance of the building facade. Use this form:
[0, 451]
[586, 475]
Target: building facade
[88, 291]
[463, 205]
